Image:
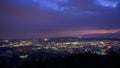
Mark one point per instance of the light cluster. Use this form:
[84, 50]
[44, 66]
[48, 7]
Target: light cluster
[70, 47]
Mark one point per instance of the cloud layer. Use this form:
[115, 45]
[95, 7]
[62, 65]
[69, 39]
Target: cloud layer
[58, 17]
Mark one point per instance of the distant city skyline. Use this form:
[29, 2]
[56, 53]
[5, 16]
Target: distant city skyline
[59, 18]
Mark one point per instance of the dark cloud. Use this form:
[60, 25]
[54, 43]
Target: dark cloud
[52, 18]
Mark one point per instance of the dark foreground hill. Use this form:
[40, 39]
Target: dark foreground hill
[86, 60]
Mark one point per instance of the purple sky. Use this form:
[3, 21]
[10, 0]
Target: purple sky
[59, 18]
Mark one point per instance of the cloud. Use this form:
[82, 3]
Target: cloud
[56, 5]
[56, 17]
[107, 3]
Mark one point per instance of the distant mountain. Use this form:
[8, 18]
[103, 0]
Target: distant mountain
[71, 39]
[110, 35]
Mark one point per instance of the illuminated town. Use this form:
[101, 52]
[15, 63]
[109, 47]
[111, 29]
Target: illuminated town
[62, 47]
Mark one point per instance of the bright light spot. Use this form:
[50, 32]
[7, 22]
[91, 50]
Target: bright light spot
[23, 56]
[67, 43]
[6, 41]
[109, 47]
[45, 39]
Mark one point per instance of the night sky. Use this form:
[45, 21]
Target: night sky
[59, 18]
